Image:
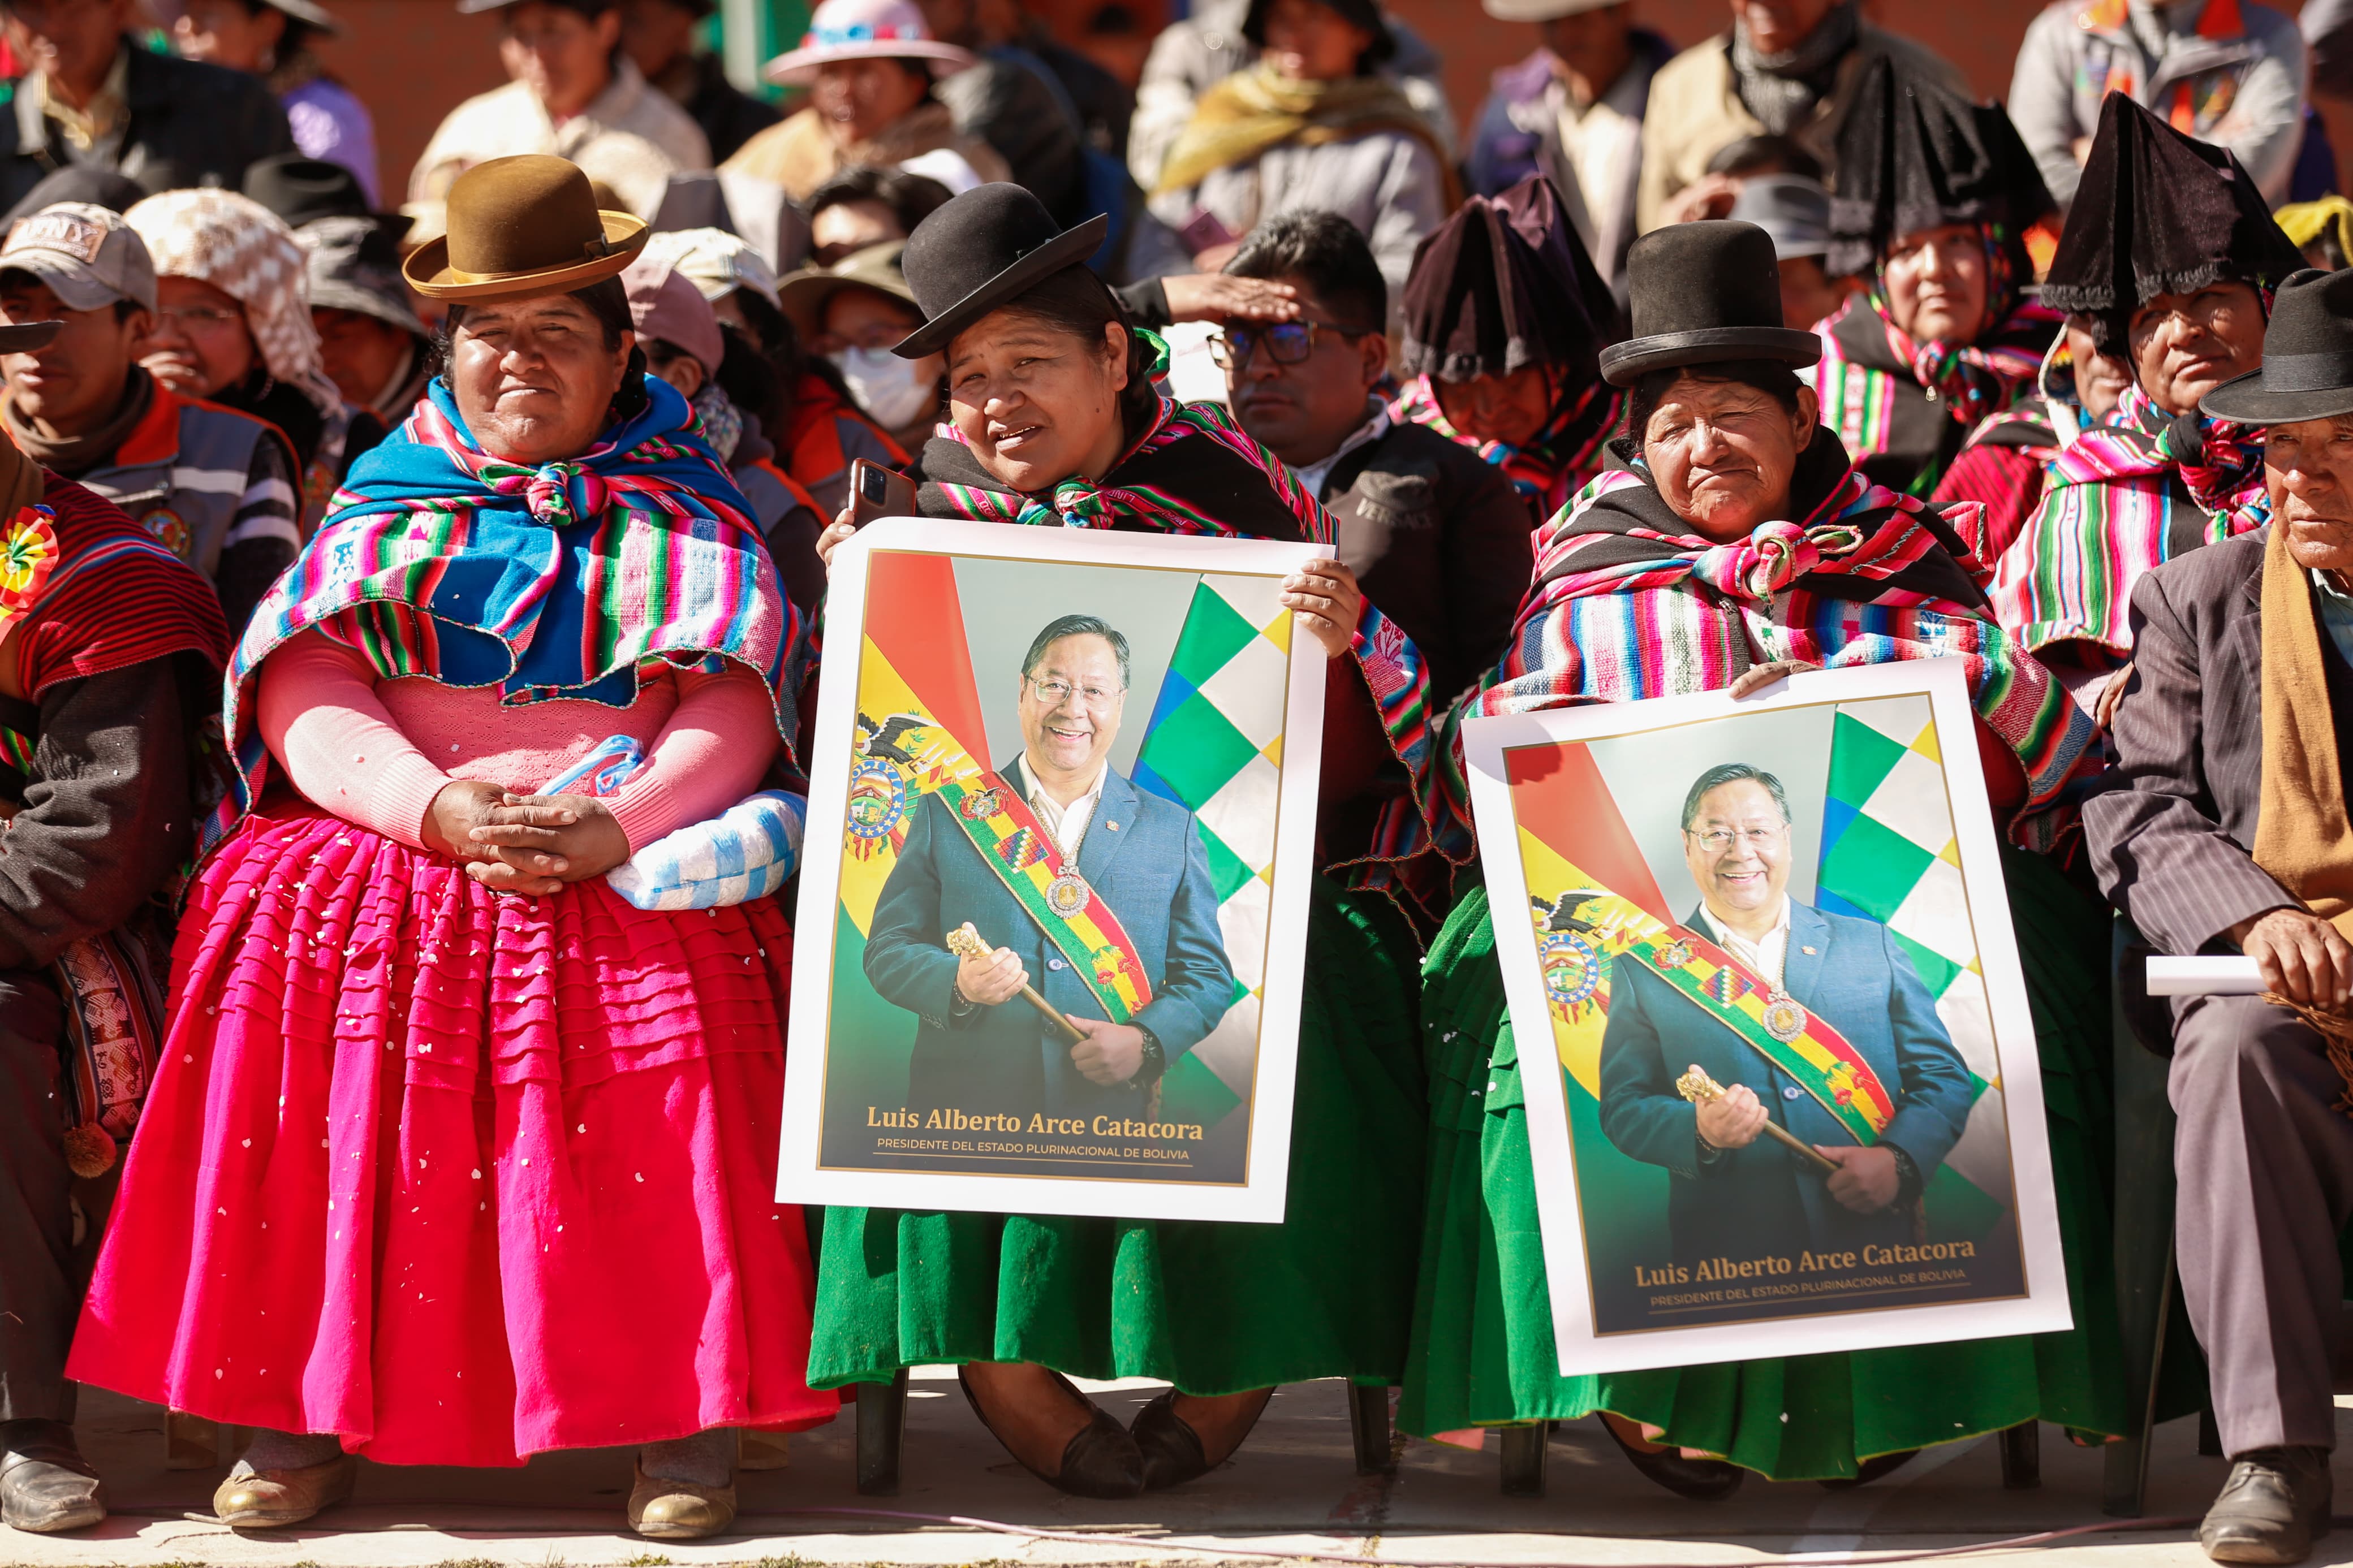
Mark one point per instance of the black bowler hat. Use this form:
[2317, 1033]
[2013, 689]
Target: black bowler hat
[985, 248]
[2307, 369]
[1703, 293]
[304, 190]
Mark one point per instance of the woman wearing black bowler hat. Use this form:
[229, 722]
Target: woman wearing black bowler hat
[1053, 420]
[1728, 540]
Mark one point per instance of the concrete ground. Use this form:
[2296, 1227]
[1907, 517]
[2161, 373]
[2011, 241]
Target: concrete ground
[1294, 1491]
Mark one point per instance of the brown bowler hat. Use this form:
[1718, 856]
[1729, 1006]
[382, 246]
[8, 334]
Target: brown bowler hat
[522, 226]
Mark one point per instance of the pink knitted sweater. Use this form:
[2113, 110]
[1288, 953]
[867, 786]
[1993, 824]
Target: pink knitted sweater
[376, 752]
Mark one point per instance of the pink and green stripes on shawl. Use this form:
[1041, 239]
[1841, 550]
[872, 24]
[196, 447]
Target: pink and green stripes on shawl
[639, 579]
[1857, 400]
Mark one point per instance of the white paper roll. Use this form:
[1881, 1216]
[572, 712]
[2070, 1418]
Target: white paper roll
[2234, 975]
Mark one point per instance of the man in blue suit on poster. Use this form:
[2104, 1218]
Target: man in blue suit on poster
[978, 1044]
[1737, 1192]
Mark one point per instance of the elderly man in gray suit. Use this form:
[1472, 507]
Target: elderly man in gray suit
[2223, 829]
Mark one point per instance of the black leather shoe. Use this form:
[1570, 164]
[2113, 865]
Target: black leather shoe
[1870, 1469]
[1100, 1461]
[2274, 1506]
[1172, 1450]
[46, 1485]
[1703, 1481]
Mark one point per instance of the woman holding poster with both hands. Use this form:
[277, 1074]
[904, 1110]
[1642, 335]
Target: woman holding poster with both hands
[1054, 421]
[1730, 541]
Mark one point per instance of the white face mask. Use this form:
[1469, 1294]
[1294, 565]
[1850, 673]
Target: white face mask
[894, 391]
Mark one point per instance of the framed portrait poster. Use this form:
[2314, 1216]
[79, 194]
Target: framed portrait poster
[1781, 922]
[1053, 901]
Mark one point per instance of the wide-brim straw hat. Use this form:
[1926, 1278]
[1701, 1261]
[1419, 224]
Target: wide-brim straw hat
[522, 226]
[802, 295]
[843, 30]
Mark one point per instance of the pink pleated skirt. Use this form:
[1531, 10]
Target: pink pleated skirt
[459, 1176]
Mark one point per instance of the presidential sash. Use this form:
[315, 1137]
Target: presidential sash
[1018, 849]
[1579, 933]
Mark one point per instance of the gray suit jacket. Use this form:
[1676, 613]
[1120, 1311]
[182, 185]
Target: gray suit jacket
[2173, 824]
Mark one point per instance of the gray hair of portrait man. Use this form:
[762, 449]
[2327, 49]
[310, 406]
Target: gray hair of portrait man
[1076, 626]
[1723, 773]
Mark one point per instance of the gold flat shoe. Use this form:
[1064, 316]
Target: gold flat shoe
[678, 1511]
[267, 1499]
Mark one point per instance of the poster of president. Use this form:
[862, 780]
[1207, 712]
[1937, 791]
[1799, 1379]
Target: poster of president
[1798, 1107]
[1052, 909]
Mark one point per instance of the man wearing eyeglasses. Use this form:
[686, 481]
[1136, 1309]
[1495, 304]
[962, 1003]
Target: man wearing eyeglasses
[1437, 536]
[1737, 1193]
[979, 1047]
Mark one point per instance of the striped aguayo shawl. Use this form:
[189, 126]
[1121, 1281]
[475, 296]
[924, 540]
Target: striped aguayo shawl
[1904, 408]
[442, 560]
[1550, 469]
[2129, 495]
[1628, 603]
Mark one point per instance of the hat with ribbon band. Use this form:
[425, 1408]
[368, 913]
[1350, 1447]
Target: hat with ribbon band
[522, 226]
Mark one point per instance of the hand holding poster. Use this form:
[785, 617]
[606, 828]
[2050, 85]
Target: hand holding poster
[1052, 909]
[1798, 1107]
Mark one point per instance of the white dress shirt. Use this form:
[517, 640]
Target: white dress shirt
[1764, 957]
[1066, 824]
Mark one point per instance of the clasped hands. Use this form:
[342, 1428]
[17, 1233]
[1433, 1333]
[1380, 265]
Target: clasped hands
[1111, 1053]
[530, 844]
[1866, 1180]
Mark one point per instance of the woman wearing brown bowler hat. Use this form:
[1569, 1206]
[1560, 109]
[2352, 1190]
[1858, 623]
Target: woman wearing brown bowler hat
[458, 1154]
[1053, 420]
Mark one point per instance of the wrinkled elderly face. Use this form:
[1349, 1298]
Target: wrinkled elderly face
[1722, 454]
[535, 378]
[1071, 706]
[1738, 848]
[1512, 409]
[2185, 345]
[1938, 283]
[200, 345]
[2308, 467]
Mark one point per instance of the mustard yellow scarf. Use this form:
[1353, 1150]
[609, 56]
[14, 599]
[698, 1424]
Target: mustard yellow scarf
[1254, 110]
[2303, 839]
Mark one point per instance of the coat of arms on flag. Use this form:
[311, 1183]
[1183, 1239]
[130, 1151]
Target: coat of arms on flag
[967, 694]
[1793, 906]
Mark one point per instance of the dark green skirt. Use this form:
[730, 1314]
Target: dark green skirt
[1212, 1308]
[1483, 1351]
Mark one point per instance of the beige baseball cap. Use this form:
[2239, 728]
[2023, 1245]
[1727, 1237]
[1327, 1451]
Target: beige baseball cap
[87, 254]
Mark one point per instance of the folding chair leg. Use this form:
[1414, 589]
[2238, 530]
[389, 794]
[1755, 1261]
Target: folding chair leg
[190, 1442]
[2145, 1290]
[1368, 1423]
[2022, 1457]
[1524, 1459]
[881, 1433]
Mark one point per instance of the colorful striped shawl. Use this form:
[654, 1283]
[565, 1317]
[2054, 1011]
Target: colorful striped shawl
[560, 582]
[2129, 495]
[1629, 605]
[1904, 408]
[1548, 470]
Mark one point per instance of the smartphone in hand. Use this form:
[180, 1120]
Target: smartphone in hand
[877, 491]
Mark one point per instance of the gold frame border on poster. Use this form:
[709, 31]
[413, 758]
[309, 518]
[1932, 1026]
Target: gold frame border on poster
[1259, 1197]
[2042, 1306]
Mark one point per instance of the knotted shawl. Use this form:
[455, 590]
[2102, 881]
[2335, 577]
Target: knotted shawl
[1628, 604]
[2128, 496]
[1253, 111]
[439, 560]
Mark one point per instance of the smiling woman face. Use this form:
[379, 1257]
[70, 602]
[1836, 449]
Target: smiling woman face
[535, 378]
[1038, 404]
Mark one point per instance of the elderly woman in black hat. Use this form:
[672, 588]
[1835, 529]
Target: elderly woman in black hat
[1505, 317]
[1936, 194]
[457, 1154]
[1053, 420]
[1729, 539]
[2168, 258]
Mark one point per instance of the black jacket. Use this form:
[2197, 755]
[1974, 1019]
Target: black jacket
[189, 125]
[729, 117]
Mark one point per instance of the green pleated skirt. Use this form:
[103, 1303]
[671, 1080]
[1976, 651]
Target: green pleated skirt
[1482, 1338]
[1212, 1308]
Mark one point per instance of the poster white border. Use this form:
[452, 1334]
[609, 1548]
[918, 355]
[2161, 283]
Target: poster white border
[1259, 1198]
[2043, 1307]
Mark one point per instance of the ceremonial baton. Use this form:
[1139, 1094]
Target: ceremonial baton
[965, 942]
[1697, 1086]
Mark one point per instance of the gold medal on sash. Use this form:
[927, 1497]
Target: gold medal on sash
[1784, 1019]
